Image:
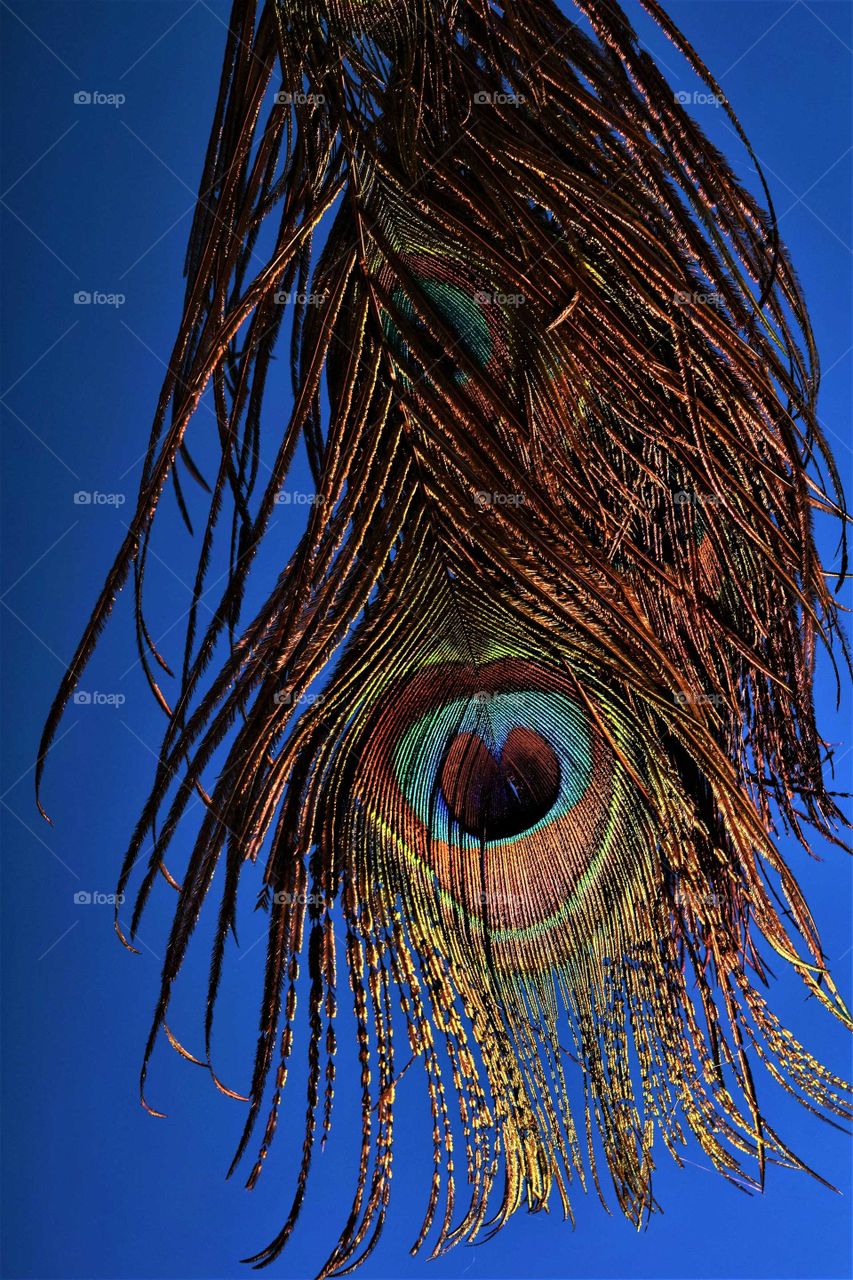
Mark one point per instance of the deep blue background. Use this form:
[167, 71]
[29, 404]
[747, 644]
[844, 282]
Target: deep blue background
[99, 198]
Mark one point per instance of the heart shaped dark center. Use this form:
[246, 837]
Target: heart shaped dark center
[497, 798]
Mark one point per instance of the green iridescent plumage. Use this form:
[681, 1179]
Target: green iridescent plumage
[556, 385]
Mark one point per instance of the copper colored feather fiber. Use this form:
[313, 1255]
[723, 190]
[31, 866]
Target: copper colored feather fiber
[556, 384]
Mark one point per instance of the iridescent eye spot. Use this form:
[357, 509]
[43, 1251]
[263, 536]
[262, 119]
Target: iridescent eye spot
[464, 316]
[458, 310]
[495, 768]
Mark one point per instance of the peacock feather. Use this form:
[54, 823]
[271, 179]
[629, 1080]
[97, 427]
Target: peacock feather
[556, 384]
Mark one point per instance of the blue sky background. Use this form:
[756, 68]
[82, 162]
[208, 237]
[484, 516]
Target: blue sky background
[98, 198]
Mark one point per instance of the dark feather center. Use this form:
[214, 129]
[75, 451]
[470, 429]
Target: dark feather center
[496, 798]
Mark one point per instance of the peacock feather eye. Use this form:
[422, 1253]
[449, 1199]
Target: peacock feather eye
[491, 788]
[495, 765]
